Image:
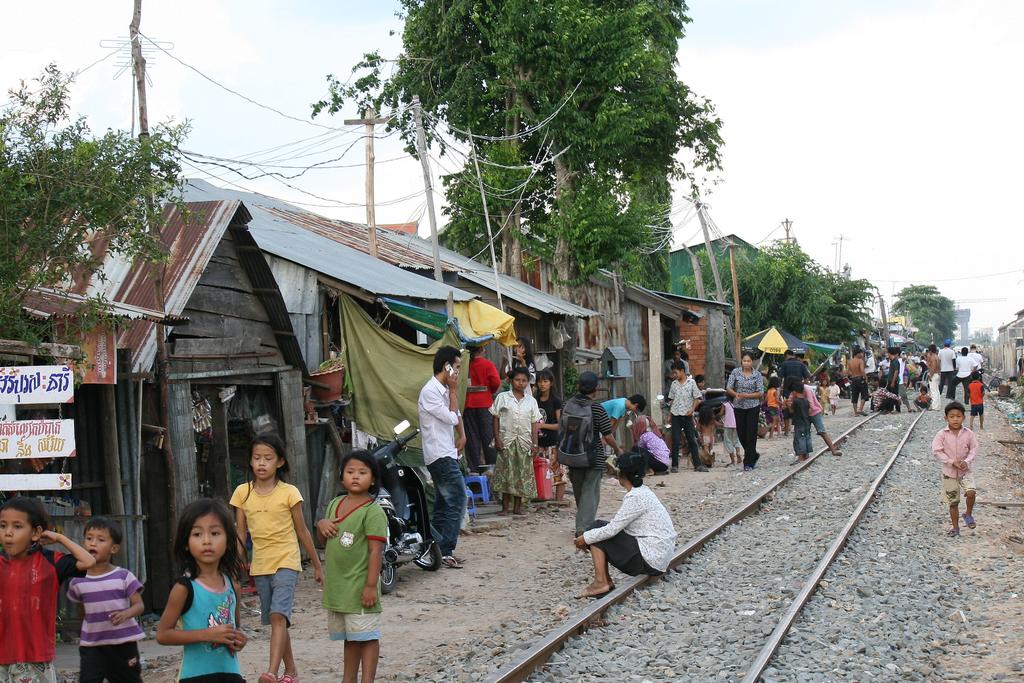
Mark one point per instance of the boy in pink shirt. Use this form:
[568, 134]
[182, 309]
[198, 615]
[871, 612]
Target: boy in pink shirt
[955, 446]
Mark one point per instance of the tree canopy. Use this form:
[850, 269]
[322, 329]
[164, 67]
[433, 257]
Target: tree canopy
[580, 103]
[67, 197]
[929, 311]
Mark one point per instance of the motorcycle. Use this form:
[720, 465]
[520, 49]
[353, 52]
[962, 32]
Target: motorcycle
[404, 500]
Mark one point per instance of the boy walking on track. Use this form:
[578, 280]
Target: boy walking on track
[956, 446]
[976, 389]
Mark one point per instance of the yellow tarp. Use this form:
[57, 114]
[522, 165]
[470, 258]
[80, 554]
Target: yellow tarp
[477, 319]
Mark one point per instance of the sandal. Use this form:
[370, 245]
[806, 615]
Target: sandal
[969, 521]
[449, 562]
[953, 533]
[288, 678]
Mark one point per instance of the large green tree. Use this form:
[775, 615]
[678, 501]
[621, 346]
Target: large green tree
[929, 311]
[67, 197]
[582, 96]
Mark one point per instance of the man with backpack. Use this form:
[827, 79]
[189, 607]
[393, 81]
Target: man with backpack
[585, 428]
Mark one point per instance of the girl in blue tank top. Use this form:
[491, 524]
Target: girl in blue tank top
[202, 612]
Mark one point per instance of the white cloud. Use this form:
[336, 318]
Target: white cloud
[901, 133]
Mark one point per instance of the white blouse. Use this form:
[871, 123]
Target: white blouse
[644, 517]
[516, 417]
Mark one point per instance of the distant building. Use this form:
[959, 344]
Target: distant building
[681, 269]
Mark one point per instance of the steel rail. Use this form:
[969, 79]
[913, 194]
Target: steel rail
[789, 618]
[533, 658]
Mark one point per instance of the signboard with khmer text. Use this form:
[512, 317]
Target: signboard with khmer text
[36, 441]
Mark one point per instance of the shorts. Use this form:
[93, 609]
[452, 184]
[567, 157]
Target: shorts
[731, 439]
[977, 410]
[116, 663]
[952, 486]
[359, 628]
[277, 593]
[623, 552]
[859, 390]
[818, 422]
[28, 672]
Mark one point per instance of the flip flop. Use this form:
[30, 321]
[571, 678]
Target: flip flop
[583, 596]
[969, 521]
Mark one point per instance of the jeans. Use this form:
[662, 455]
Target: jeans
[683, 424]
[746, 428]
[449, 502]
[479, 435]
[802, 439]
[586, 489]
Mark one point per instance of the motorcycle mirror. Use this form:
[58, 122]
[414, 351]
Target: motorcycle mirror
[401, 427]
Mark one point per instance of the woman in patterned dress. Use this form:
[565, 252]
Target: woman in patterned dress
[516, 417]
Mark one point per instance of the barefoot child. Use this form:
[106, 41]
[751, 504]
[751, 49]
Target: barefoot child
[799, 408]
[203, 612]
[354, 532]
[976, 389]
[640, 539]
[270, 510]
[516, 422]
[772, 408]
[955, 446]
[730, 437]
[111, 600]
[833, 397]
[707, 424]
[30, 577]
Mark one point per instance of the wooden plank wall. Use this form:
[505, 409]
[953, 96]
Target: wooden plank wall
[223, 306]
[300, 291]
[183, 444]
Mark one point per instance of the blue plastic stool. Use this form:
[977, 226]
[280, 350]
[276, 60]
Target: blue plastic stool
[485, 490]
[470, 504]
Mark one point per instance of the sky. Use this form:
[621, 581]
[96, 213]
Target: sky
[894, 124]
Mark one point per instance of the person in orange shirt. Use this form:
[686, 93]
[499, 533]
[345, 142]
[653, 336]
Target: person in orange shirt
[976, 389]
[772, 408]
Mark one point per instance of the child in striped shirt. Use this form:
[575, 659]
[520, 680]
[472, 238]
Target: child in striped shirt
[110, 599]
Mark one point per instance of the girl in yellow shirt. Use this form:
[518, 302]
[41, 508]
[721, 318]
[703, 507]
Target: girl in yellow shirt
[270, 510]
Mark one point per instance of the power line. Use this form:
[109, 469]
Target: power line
[529, 130]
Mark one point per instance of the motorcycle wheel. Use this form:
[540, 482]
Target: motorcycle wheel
[388, 577]
[434, 557]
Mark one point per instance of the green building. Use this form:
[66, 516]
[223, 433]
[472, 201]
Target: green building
[681, 269]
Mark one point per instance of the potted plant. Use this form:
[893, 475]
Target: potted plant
[331, 373]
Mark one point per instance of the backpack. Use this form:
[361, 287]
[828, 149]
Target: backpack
[576, 447]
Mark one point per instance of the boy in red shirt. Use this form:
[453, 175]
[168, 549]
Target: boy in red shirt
[976, 389]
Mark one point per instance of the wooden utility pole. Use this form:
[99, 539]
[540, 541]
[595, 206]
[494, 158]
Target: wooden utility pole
[885, 320]
[428, 185]
[735, 298]
[713, 259]
[698, 276]
[369, 120]
[139, 68]
[487, 221]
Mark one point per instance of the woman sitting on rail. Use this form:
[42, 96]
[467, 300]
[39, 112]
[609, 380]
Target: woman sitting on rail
[640, 539]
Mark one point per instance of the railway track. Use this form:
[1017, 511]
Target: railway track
[689, 627]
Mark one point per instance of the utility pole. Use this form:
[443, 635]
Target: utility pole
[713, 259]
[698, 276]
[369, 120]
[421, 149]
[735, 297]
[787, 224]
[487, 221]
[139, 68]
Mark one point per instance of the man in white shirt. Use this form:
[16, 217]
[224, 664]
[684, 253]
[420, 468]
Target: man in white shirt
[976, 357]
[947, 367]
[965, 367]
[439, 418]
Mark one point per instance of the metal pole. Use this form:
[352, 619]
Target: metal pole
[487, 221]
[421, 150]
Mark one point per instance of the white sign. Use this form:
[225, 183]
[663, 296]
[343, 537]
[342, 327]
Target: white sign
[37, 384]
[35, 482]
[37, 439]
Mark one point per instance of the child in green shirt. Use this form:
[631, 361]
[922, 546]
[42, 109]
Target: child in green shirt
[354, 533]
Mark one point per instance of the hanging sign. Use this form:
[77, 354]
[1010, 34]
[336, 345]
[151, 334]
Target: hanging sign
[35, 482]
[37, 439]
[100, 365]
[36, 384]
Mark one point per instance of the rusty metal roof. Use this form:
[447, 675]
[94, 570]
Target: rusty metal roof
[45, 303]
[398, 249]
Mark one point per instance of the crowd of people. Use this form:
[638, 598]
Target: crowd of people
[264, 523]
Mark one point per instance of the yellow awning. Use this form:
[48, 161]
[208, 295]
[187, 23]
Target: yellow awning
[477, 319]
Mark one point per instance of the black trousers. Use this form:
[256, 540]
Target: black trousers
[115, 663]
[653, 463]
[746, 430]
[946, 382]
[682, 425]
[479, 436]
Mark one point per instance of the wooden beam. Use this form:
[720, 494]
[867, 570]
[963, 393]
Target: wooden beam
[20, 348]
[293, 422]
[186, 376]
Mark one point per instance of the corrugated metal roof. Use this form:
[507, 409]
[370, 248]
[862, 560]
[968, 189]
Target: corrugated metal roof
[47, 303]
[404, 251]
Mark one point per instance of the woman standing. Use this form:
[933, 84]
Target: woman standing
[516, 418]
[746, 387]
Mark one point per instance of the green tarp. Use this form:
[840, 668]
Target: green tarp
[384, 374]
